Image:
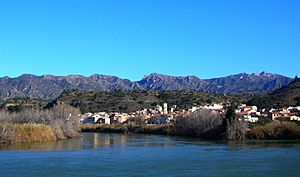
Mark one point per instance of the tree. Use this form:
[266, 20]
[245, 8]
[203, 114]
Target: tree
[230, 115]
[15, 108]
[202, 123]
[235, 130]
[297, 101]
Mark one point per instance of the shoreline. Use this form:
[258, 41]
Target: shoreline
[284, 131]
[30, 133]
[40, 133]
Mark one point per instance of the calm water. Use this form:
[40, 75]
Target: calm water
[96, 154]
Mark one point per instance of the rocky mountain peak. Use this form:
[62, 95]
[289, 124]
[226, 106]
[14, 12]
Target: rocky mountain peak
[50, 87]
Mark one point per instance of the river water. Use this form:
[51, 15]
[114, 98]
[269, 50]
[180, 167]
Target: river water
[100, 154]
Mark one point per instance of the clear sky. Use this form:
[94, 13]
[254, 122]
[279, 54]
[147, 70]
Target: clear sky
[132, 38]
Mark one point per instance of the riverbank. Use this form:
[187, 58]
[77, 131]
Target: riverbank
[26, 133]
[31, 133]
[166, 129]
[30, 126]
[270, 131]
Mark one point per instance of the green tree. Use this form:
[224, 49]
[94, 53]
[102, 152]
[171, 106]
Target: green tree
[15, 108]
[298, 102]
[230, 115]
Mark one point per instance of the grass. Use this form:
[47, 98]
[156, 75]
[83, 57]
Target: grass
[29, 133]
[165, 129]
[27, 126]
[129, 128]
[275, 131]
[26, 133]
[104, 128]
[270, 131]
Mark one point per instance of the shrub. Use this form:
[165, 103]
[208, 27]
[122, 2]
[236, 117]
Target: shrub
[163, 129]
[67, 118]
[4, 117]
[63, 119]
[29, 133]
[199, 123]
[275, 131]
[26, 133]
[6, 133]
[105, 128]
[236, 130]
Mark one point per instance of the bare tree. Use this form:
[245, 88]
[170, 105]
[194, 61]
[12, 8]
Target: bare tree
[198, 123]
[63, 118]
[6, 133]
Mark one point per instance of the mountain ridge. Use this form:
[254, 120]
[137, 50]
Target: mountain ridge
[50, 86]
[288, 95]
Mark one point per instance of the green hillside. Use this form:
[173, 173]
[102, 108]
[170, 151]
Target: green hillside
[129, 101]
[18, 104]
[285, 96]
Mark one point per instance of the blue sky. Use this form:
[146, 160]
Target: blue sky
[132, 38]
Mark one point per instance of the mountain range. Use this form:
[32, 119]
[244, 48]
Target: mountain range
[283, 97]
[50, 87]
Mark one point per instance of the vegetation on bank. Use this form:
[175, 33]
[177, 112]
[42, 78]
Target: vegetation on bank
[59, 122]
[206, 124]
[275, 131]
[198, 124]
[165, 129]
[62, 121]
[26, 133]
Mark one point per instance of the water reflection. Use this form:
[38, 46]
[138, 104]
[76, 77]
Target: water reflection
[255, 144]
[105, 140]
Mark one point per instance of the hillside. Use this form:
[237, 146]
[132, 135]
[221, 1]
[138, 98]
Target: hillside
[129, 101]
[23, 103]
[50, 87]
[285, 96]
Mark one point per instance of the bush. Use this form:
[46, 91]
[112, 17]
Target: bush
[26, 133]
[29, 133]
[236, 130]
[63, 119]
[67, 118]
[202, 123]
[104, 128]
[163, 129]
[4, 117]
[16, 108]
[166, 129]
[275, 131]
[6, 133]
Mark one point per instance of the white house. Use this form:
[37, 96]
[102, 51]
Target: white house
[295, 118]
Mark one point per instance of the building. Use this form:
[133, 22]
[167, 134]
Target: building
[159, 109]
[165, 108]
[122, 118]
[248, 116]
[294, 118]
[104, 120]
[88, 120]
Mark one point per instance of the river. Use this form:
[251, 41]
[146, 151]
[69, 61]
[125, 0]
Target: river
[100, 154]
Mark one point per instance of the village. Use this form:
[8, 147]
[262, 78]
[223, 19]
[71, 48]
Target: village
[163, 114]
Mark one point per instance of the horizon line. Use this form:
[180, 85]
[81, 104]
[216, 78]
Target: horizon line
[153, 73]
